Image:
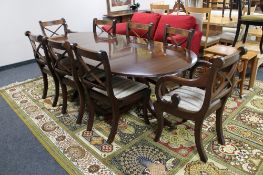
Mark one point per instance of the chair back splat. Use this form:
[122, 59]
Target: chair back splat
[54, 28]
[99, 24]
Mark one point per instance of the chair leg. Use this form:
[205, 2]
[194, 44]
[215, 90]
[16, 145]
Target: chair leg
[160, 122]
[146, 100]
[55, 101]
[114, 123]
[91, 112]
[45, 89]
[237, 34]
[64, 96]
[198, 141]
[246, 32]
[81, 103]
[219, 128]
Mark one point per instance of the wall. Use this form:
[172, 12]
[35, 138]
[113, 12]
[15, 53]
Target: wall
[17, 16]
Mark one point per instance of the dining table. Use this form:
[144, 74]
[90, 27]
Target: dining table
[134, 56]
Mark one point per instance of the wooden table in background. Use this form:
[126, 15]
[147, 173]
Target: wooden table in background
[222, 50]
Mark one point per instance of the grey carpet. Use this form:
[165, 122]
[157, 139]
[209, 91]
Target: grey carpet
[20, 152]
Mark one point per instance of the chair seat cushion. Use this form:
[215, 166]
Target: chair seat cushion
[192, 98]
[210, 40]
[123, 87]
[256, 18]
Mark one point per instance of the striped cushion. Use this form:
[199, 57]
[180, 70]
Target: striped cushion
[123, 87]
[192, 98]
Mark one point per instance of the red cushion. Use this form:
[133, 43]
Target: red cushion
[120, 28]
[177, 21]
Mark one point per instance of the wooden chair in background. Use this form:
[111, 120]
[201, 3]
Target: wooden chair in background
[119, 92]
[160, 8]
[98, 24]
[55, 28]
[65, 68]
[196, 99]
[248, 19]
[44, 64]
[140, 31]
[199, 14]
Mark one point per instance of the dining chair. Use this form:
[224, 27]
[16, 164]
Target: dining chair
[199, 14]
[99, 24]
[177, 37]
[54, 28]
[65, 68]
[160, 8]
[44, 63]
[119, 92]
[140, 31]
[248, 19]
[196, 98]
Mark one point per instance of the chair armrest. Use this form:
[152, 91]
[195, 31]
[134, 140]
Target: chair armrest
[200, 63]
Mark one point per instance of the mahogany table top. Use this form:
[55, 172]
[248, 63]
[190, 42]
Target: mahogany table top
[136, 58]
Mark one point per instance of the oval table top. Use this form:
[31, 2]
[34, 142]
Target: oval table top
[134, 57]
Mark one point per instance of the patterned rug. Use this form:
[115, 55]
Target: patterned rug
[134, 151]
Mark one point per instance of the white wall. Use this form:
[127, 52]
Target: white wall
[17, 16]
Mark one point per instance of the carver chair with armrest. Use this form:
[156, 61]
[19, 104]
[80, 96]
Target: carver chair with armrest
[118, 92]
[140, 31]
[99, 24]
[55, 28]
[256, 20]
[199, 13]
[44, 64]
[197, 98]
[65, 68]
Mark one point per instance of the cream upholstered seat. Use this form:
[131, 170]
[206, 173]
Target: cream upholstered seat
[123, 87]
[192, 98]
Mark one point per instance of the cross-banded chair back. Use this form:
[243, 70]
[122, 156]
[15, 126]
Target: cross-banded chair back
[177, 36]
[61, 57]
[219, 77]
[98, 24]
[140, 30]
[159, 8]
[91, 62]
[54, 28]
[37, 46]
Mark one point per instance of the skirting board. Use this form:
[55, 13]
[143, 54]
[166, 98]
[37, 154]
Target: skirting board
[17, 64]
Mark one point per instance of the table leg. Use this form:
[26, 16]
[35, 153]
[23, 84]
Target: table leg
[253, 72]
